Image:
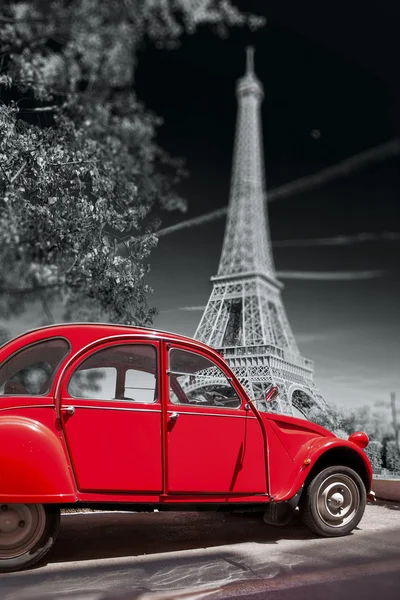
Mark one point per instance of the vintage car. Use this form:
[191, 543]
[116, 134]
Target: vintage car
[110, 416]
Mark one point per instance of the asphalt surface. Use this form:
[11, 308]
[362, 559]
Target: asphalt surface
[160, 556]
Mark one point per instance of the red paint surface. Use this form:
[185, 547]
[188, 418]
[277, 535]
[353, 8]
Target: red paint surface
[120, 451]
[360, 439]
[32, 458]
[215, 453]
[113, 447]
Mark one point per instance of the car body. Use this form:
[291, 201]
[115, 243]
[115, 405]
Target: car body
[110, 415]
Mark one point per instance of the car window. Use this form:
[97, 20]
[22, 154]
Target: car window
[118, 372]
[197, 381]
[31, 371]
[92, 382]
[140, 385]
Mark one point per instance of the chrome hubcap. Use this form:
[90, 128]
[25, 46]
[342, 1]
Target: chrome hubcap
[21, 527]
[338, 499]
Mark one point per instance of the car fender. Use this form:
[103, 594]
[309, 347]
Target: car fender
[308, 456]
[33, 464]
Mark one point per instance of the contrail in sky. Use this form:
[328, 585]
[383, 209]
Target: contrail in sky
[310, 182]
[330, 275]
[308, 276]
[340, 240]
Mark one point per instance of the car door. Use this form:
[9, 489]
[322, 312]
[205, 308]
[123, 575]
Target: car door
[214, 445]
[111, 418]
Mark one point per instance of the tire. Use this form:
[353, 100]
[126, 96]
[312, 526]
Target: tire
[27, 532]
[334, 502]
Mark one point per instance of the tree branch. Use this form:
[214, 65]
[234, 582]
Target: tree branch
[46, 308]
[30, 44]
[39, 109]
[24, 20]
[18, 173]
[5, 174]
[72, 266]
[73, 162]
[32, 290]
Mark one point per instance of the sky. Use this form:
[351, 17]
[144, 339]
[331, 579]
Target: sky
[331, 90]
[329, 93]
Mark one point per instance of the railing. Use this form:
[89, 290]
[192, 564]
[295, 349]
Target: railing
[271, 351]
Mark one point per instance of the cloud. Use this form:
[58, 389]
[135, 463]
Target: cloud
[340, 240]
[184, 308]
[331, 275]
[309, 338]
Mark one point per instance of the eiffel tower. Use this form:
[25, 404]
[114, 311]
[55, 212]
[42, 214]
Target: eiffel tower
[245, 318]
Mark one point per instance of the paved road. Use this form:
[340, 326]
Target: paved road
[159, 556]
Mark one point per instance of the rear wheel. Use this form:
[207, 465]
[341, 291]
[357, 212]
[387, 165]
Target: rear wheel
[27, 532]
[334, 502]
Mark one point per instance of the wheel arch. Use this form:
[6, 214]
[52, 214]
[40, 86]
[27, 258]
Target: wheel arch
[340, 456]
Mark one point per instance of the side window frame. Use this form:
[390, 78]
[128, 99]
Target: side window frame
[171, 347]
[107, 345]
[57, 369]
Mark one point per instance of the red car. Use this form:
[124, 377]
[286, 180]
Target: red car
[111, 416]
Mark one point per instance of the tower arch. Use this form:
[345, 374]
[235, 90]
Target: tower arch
[301, 398]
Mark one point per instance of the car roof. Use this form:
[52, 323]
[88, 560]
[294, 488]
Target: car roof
[80, 334]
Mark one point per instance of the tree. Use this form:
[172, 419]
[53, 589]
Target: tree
[328, 418]
[374, 453]
[81, 172]
[392, 456]
[394, 421]
[344, 421]
[382, 448]
[341, 433]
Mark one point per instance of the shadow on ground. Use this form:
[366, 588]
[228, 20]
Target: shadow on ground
[95, 535]
[388, 504]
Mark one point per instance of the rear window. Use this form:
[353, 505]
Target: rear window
[31, 371]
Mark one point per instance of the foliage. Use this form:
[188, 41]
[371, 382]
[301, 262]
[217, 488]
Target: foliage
[374, 453]
[363, 418]
[328, 418]
[392, 457]
[81, 172]
[341, 433]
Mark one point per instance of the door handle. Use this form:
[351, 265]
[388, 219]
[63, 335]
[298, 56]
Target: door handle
[174, 416]
[70, 410]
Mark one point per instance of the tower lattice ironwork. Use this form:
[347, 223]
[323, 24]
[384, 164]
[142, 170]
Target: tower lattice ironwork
[245, 318]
